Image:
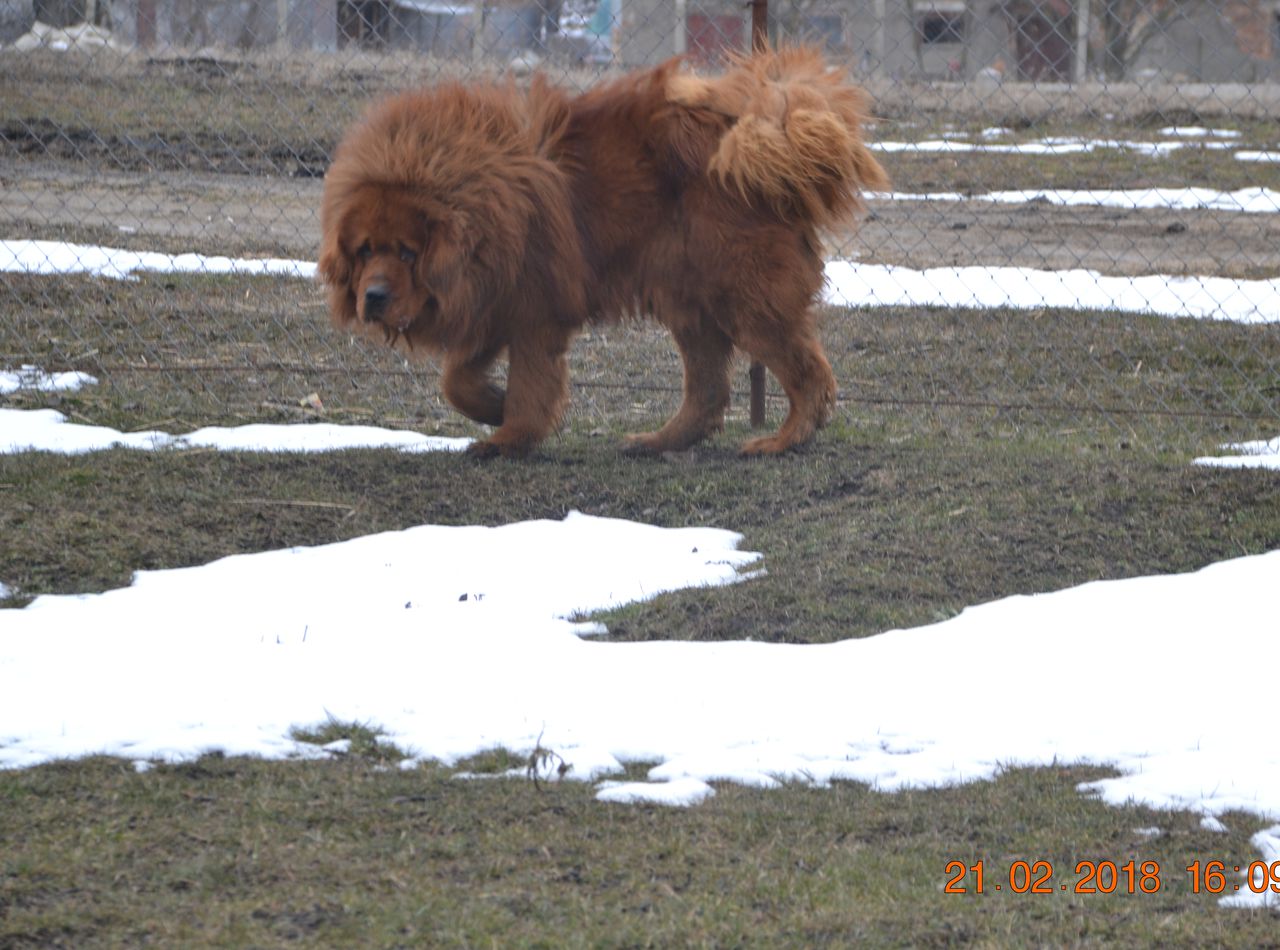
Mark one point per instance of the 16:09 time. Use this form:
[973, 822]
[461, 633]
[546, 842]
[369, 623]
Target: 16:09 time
[1211, 877]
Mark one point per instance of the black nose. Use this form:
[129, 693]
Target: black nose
[376, 298]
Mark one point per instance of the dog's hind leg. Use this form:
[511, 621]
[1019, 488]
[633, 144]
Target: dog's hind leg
[537, 392]
[468, 387]
[794, 355]
[706, 352]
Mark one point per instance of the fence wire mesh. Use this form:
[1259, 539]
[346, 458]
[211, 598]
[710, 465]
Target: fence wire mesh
[1084, 227]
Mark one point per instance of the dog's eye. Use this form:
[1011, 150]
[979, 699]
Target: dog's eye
[364, 252]
[407, 254]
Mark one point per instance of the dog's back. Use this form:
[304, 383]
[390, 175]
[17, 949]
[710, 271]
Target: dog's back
[625, 189]
[660, 160]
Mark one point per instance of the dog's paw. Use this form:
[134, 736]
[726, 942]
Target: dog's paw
[641, 445]
[482, 450]
[768, 445]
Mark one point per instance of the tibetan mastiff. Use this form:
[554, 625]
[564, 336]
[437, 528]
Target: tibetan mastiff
[474, 222]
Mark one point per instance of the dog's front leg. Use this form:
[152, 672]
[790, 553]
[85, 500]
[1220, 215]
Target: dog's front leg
[468, 387]
[537, 392]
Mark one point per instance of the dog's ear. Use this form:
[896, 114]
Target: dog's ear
[335, 270]
[335, 266]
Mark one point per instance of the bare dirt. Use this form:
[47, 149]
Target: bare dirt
[277, 216]
[172, 211]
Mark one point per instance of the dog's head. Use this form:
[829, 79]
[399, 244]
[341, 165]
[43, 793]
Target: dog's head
[445, 215]
[391, 260]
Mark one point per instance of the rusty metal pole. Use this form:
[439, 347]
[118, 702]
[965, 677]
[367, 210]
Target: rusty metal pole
[759, 24]
[759, 42]
[146, 23]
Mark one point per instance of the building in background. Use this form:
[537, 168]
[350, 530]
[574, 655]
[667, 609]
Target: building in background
[1009, 40]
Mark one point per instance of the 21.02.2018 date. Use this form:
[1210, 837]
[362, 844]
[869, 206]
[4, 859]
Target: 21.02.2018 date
[1109, 877]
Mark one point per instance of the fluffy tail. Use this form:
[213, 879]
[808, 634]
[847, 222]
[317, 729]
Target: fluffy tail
[794, 136]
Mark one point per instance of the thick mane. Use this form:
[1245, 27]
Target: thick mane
[476, 163]
[453, 143]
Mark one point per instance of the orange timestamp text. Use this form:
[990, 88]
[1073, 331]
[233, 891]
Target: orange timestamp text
[1107, 877]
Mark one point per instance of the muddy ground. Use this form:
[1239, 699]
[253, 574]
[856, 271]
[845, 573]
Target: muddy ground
[275, 215]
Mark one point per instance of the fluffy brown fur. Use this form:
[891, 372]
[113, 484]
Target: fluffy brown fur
[470, 221]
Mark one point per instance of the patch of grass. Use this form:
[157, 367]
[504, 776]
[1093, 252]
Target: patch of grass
[189, 350]
[226, 852]
[496, 761]
[861, 533]
[897, 515]
[360, 739]
[975, 453]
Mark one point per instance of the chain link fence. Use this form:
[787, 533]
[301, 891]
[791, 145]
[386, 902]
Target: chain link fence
[1084, 226]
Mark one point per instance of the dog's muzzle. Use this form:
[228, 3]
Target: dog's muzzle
[376, 298]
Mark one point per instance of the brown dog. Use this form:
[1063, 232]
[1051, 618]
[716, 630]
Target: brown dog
[469, 221]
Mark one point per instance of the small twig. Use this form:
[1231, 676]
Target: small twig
[540, 758]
